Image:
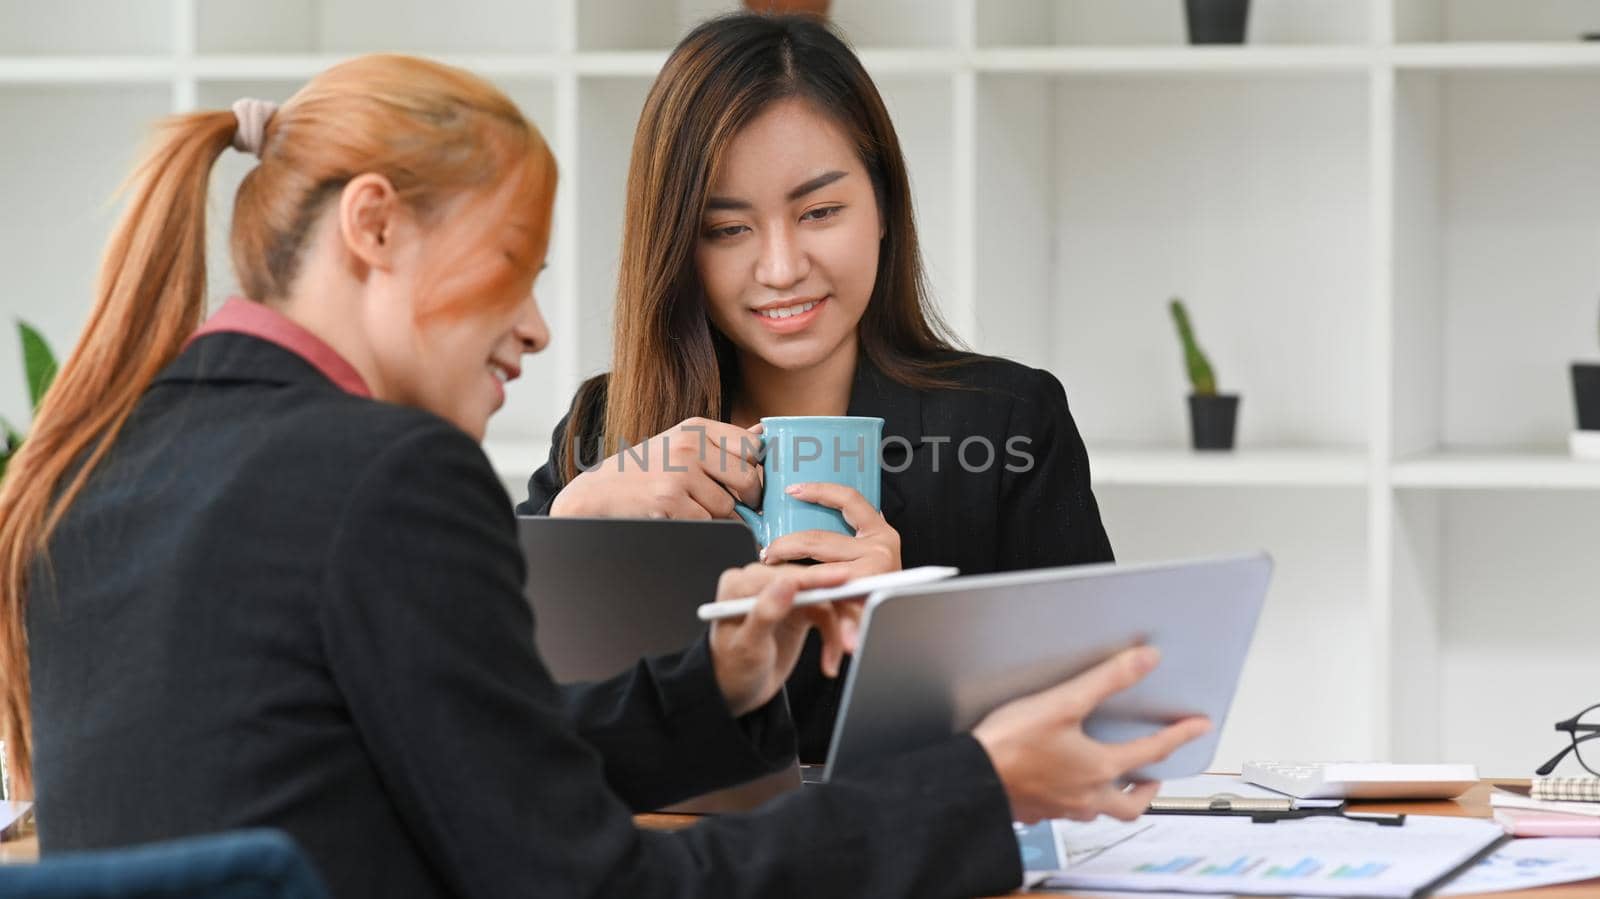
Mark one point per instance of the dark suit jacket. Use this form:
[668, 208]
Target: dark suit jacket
[1030, 507]
[280, 604]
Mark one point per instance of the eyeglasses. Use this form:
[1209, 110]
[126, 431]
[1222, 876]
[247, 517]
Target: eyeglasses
[1580, 728]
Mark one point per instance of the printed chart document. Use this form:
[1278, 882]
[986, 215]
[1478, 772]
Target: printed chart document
[1320, 856]
[1525, 864]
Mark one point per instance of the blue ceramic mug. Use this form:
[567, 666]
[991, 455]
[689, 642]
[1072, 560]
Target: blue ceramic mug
[806, 449]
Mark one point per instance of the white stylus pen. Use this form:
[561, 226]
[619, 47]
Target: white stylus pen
[861, 586]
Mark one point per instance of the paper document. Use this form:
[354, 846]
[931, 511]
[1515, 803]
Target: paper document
[1318, 856]
[1525, 864]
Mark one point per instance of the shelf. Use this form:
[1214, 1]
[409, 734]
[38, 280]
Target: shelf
[1161, 60]
[1463, 470]
[86, 70]
[86, 27]
[1252, 60]
[357, 26]
[1122, 466]
[301, 67]
[1516, 56]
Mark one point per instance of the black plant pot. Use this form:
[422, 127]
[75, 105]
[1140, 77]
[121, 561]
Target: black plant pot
[1217, 21]
[1212, 420]
[1586, 394]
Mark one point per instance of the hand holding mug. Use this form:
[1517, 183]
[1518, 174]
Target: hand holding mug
[875, 548]
[693, 471]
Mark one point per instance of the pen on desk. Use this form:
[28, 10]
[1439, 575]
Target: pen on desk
[925, 574]
[1263, 815]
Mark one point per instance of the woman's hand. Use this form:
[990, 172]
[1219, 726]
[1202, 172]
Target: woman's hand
[875, 549]
[693, 471]
[1051, 769]
[754, 655]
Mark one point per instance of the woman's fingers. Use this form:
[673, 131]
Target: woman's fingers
[738, 475]
[730, 455]
[1074, 699]
[1156, 747]
[827, 625]
[709, 495]
[1126, 805]
[858, 513]
[816, 545]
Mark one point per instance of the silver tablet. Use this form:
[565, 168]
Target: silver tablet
[935, 659]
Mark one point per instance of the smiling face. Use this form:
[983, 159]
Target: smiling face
[788, 248]
[467, 317]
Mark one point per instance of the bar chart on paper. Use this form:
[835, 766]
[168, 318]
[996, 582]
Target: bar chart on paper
[1244, 865]
[1312, 857]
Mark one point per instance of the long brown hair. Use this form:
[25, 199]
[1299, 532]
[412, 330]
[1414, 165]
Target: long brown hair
[668, 362]
[434, 131]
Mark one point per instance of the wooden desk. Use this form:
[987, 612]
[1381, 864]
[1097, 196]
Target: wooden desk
[1474, 804]
[19, 851]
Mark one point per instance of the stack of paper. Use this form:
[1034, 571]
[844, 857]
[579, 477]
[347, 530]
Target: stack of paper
[1524, 816]
[1506, 799]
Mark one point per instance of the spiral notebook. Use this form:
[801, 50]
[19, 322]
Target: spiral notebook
[1569, 789]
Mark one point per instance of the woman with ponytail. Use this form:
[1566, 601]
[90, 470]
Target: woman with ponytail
[257, 571]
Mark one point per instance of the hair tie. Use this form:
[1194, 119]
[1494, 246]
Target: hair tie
[252, 115]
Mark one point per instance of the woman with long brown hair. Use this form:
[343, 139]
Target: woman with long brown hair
[770, 267]
[258, 571]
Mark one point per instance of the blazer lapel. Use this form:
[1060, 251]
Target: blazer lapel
[875, 394]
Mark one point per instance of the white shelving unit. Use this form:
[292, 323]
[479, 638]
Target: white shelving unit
[1385, 215]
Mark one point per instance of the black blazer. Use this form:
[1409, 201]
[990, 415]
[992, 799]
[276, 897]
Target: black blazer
[1030, 506]
[279, 604]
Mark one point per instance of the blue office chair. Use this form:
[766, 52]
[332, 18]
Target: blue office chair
[245, 864]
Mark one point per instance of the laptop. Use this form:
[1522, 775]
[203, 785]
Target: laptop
[935, 659]
[607, 592]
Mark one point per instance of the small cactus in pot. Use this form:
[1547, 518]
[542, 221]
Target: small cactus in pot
[1212, 415]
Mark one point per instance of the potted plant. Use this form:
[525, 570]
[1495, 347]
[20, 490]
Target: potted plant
[1586, 397]
[1212, 415]
[1217, 21]
[39, 365]
[818, 8]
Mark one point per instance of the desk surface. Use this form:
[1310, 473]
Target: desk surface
[1475, 804]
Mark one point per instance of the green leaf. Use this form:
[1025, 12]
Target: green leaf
[1201, 377]
[10, 441]
[38, 361]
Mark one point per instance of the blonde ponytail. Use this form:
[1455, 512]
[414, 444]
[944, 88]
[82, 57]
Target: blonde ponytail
[149, 298]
